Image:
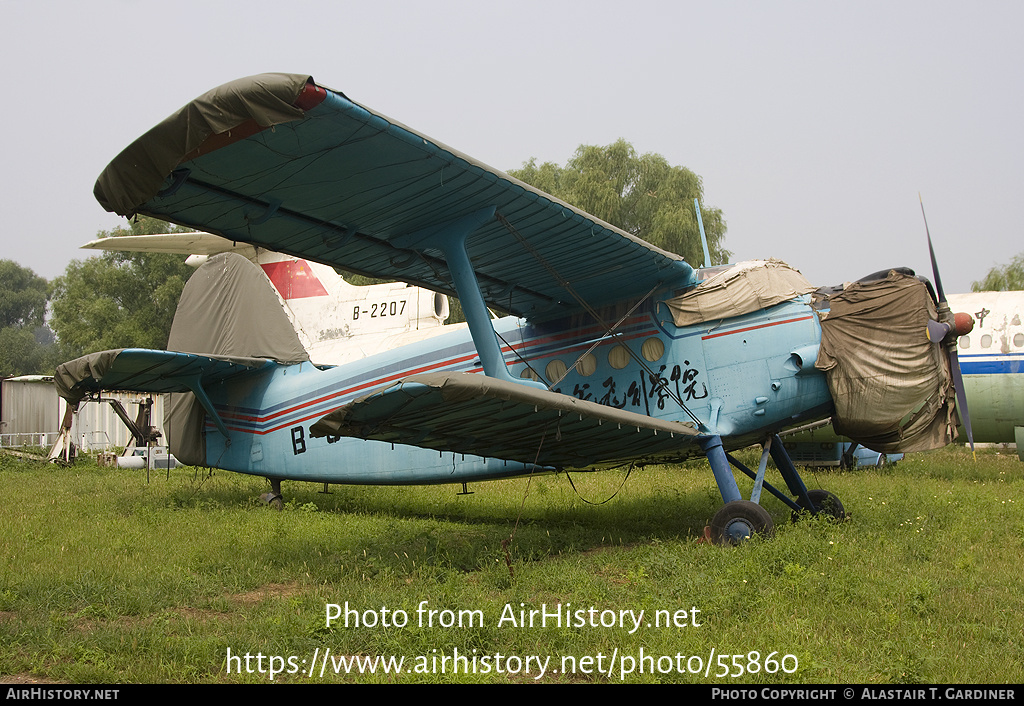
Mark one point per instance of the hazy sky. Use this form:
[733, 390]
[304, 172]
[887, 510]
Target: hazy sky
[814, 125]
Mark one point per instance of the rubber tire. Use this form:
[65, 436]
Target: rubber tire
[828, 504]
[738, 521]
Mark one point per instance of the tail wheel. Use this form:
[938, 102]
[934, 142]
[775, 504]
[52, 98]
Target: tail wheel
[740, 520]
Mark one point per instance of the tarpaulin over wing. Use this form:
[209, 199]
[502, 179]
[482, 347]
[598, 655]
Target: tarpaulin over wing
[143, 370]
[138, 173]
[892, 387]
[475, 414]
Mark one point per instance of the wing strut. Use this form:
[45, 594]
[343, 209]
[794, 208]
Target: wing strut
[597, 317]
[196, 385]
[450, 238]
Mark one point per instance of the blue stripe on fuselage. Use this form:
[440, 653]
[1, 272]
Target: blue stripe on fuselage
[991, 363]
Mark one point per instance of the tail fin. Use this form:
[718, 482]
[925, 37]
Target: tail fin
[227, 309]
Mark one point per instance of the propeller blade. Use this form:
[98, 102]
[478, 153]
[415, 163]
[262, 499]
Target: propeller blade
[934, 335]
[931, 252]
[961, 395]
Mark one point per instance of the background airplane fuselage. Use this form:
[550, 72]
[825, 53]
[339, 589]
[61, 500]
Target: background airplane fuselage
[992, 363]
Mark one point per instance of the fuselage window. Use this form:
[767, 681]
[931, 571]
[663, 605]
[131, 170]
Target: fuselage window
[587, 365]
[555, 371]
[986, 341]
[965, 341]
[529, 374]
[652, 349]
[618, 357]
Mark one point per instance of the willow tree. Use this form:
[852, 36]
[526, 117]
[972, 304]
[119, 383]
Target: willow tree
[641, 194]
[119, 299]
[1009, 277]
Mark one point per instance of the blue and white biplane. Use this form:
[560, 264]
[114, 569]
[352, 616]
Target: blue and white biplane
[613, 352]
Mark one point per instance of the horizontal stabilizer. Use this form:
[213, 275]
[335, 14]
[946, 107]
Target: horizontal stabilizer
[475, 414]
[142, 370]
[174, 243]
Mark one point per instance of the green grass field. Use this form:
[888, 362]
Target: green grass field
[105, 578]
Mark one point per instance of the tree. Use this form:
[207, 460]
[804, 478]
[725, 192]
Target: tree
[23, 295]
[643, 195]
[1009, 277]
[25, 342]
[119, 299]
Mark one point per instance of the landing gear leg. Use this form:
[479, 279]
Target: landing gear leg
[273, 498]
[848, 461]
[712, 448]
[738, 520]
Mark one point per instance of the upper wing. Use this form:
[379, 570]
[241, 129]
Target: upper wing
[476, 414]
[279, 162]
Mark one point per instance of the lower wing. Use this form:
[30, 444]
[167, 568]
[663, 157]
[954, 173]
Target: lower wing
[474, 414]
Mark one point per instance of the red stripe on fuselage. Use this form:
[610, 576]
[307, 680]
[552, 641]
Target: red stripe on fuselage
[754, 328]
[260, 419]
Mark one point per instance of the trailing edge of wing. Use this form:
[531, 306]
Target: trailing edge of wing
[279, 162]
[474, 414]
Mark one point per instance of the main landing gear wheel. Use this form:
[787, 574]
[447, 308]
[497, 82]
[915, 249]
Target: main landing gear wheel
[825, 504]
[740, 520]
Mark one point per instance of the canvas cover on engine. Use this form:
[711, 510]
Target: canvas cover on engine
[337, 183]
[475, 414]
[879, 361]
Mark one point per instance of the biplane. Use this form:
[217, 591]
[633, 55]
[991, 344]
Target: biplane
[610, 351]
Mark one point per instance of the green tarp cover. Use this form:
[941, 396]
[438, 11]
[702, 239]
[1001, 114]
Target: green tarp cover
[228, 308]
[892, 387]
[138, 173]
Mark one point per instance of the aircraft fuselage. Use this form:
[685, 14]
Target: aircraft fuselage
[992, 362]
[738, 378]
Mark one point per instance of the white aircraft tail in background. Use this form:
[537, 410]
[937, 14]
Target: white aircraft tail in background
[336, 322]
